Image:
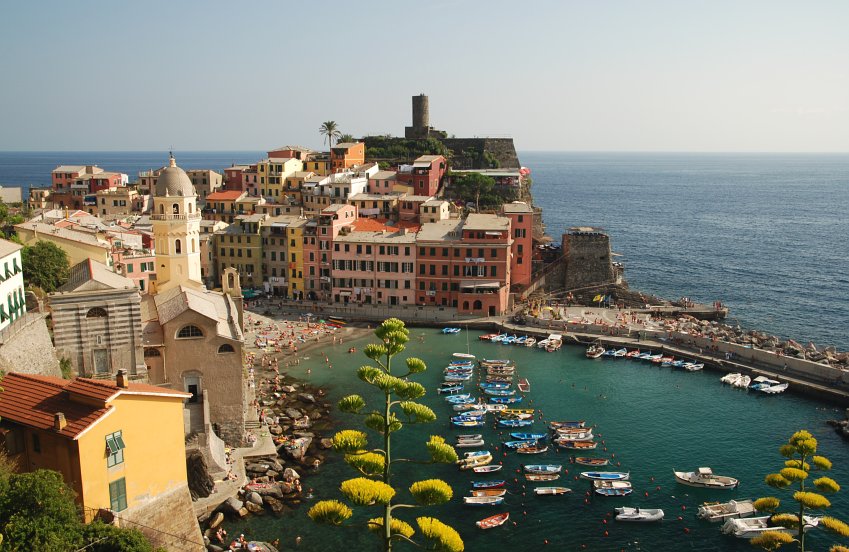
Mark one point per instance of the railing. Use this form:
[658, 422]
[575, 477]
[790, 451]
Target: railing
[188, 216]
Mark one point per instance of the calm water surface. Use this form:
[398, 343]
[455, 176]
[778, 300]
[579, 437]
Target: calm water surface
[652, 419]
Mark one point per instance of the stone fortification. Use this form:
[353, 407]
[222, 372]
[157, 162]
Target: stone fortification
[482, 153]
[26, 348]
[588, 261]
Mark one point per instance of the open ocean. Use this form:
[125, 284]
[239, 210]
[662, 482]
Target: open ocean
[767, 234]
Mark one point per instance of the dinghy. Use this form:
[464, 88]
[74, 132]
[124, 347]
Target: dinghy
[587, 461]
[612, 488]
[489, 492]
[542, 468]
[532, 449]
[644, 515]
[551, 491]
[749, 528]
[487, 469]
[721, 511]
[515, 423]
[605, 476]
[483, 500]
[542, 476]
[523, 385]
[488, 484]
[493, 521]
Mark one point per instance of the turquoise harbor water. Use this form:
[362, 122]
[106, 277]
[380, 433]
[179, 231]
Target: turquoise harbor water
[652, 419]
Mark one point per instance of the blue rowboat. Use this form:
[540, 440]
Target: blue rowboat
[461, 362]
[449, 390]
[571, 423]
[457, 377]
[495, 385]
[529, 436]
[468, 423]
[515, 423]
[450, 330]
[606, 476]
[505, 400]
[542, 468]
[500, 392]
[463, 418]
[488, 484]
[459, 399]
[519, 444]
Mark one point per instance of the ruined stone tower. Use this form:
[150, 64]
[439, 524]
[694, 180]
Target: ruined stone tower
[588, 259]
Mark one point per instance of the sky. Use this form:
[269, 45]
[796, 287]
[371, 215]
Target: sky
[560, 75]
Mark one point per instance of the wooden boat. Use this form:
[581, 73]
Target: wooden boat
[605, 476]
[476, 453]
[560, 425]
[494, 385]
[612, 488]
[468, 443]
[588, 461]
[749, 528]
[542, 476]
[632, 354]
[515, 423]
[720, 511]
[493, 521]
[551, 491]
[576, 445]
[468, 406]
[533, 449]
[553, 345]
[467, 356]
[499, 379]
[489, 492]
[523, 385]
[457, 377]
[488, 484]
[469, 437]
[467, 417]
[487, 469]
[694, 366]
[518, 444]
[483, 500]
[529, 436]
[504, 415]
[468, 423]
[564, 437]
[594, 351]
[474, 461]
[704, 477]
[499, 392]
[542, 468]
[643, 515]
[530, 342]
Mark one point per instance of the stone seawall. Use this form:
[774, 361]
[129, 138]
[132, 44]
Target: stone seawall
[168, 522]
[26, 347]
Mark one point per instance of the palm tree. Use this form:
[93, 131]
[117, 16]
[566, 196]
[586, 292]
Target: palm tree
[345, 138]
[330, 130]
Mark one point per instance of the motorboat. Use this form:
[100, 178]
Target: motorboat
[518, 444]
[520, 340]
[654, 358]
[594, 351]
[462, 398]
[475, 454]
[553, 345]
[489, 492]
[720, 511]
[469, 463]
[644, 515]
[487, 337]
[450, 330]
[605, 476]
[468, 406]
[583, 436]
[742, 383]
[668, 360]
[749, 528]
[468, 423]
[693, 366]
[551, 491]
[450, 390]
[498, 338]
[776, 389]
[488, 484]
[730, 378]
[632, 354]
[493, 521]
[465, 356]
[620, 353]
[530, 342]
[704, 477]
[487, 469]
[612, 488]
[455, 377]
[542, 468]
[512, 412]
[469, 437]
[572, 423]
[542, 476]
[762, 382]
[588, 461]
[483, 500]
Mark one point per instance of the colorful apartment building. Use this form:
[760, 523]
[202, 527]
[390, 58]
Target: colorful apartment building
[120, 201]
[346, 155]
[97, 434]
[79, 245]
[382, 182]
[434, 210]
[424, 175]
[376, 205]
[318, 164]
[234, 177]
[297, 152]
[465, 264]
[224, 205]
[276, 243]
[240, 246]
[374, 264]
[12, 302]
[409, 207]
[136, 265]
[272, 177]
[319, 235]
[296, 258]
[522, 229]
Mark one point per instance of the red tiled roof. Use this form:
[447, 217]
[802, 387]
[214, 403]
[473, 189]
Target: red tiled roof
[33, 400]
[378, 224]
[225, 195]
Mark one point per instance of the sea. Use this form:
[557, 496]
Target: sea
[766, 234]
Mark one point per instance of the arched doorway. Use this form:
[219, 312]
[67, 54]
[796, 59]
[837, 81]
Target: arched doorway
[477, 305]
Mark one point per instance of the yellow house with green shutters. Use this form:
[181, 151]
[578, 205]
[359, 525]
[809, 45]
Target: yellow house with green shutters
[295, 267]
[272, 175]
[118, 445]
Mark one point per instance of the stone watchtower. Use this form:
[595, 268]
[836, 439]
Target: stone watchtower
[421, 120]
[588, 260]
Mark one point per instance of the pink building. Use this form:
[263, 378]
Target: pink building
[382, 182]
[465, 264]
[319, 235]
[135, 265]
[409, 207]
[425, 174]
[522, 228]
[375, 264]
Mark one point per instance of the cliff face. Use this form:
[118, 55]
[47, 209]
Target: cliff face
[482, 153]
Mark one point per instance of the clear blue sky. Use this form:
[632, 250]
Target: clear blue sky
[647, 75]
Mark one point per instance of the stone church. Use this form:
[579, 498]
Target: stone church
[191, 338]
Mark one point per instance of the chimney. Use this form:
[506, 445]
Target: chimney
[121, 380]
[59, 421]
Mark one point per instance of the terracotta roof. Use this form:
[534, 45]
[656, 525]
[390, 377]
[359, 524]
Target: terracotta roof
[225, 195]
[380, 224]
[33, 400]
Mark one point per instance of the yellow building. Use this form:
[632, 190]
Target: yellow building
[296, 257]
[97, 434]
[272, 175]
[240, 246]
[77, 244]
[319, 165]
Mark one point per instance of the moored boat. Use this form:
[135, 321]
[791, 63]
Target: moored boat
[450, 330]
[612, 488]
[505, 400]
[529, 436]
[489, 492]
[487, 469]
[542, 476]
[542, 468]
[704, 477]
[551, 491]
[469, 443]
[594, 351]
[488, 484]
[576, 445]
[605, 476]
[499, 392]
[721, 511]
[627, 513]
[483, 500]
[530, 342]
[588, 461]
[468, 423]
[493, 521]
[571, 423]
[524, 385]
[749, 528]
[469, 436]
[466, 356]
[532, 449]
[776, 389]
[515, 423]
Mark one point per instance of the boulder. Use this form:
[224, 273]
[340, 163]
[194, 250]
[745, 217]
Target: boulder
[231, 506]
[276, 505]
[286, 487]
[293, 413]
[197, 473]
[326, 443]
[290, 475]
[271, 474]
[276, 465]
[214, 548]
[243, 512]
[216, 520]
[255, 509]
[306, 397]
[275, 430]
[254, 498]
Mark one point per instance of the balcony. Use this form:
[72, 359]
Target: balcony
[187, 217]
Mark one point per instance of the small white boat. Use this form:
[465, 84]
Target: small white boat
[469, 443]
[482, 500]
[464, 355]
[469, 436]
[626, 513]
[530, 342]
[693, 366]
[487, 469]
[606, 476]
[551, 491]
[704, 477]
[594, 351]
[742, 382]
[730, 378]
[726, 510]
[776, 389]
[762, 382]
[749, 528]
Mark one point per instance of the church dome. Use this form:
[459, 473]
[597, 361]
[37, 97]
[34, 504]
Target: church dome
[173, 181]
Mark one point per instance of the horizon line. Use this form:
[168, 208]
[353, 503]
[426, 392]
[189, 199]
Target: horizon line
[746, 152]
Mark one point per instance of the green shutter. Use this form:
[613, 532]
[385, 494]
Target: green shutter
[119, 441]
[111, 446]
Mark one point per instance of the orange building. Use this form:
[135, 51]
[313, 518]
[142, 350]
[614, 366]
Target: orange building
[346, 155]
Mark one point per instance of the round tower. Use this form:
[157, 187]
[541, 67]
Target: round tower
[421, 112]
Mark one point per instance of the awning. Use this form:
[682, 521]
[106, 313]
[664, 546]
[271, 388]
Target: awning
[345, 293]
[471, 284]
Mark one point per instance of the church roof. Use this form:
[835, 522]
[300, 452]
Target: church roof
[159, 309]
[173, 181]
[90, 275]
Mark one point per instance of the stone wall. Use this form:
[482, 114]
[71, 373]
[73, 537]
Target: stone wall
[587, 260]
[26, 347]
[501, 149]
[168, 521]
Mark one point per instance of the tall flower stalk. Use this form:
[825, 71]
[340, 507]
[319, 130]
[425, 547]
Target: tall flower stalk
[374, 487]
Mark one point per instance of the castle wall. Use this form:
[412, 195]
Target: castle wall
[588, 260]
[25, 347]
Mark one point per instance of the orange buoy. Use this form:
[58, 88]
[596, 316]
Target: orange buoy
[606, 534]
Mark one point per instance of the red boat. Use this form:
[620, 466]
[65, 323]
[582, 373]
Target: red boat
[493, 521]
[523, 385]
